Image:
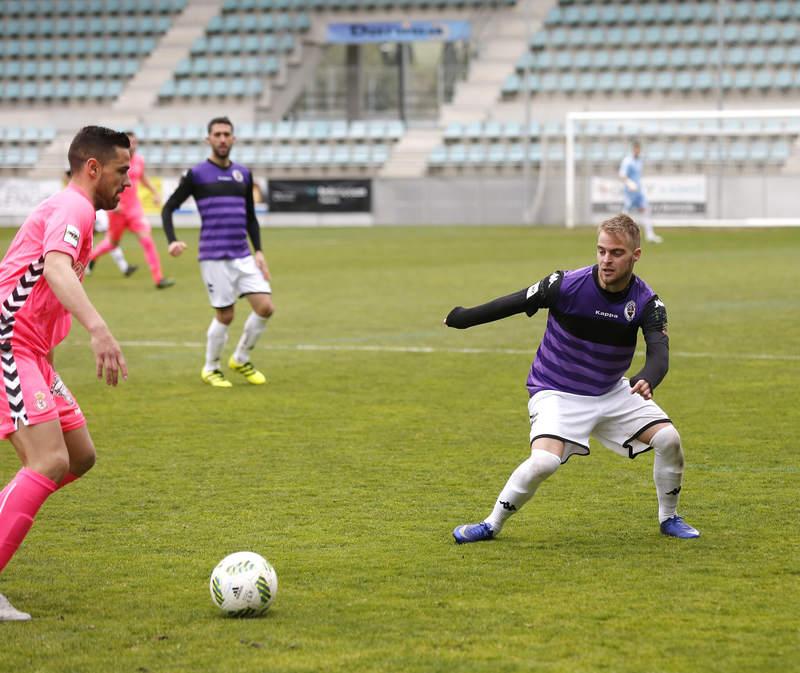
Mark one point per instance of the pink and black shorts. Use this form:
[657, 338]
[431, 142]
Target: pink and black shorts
[32, 393]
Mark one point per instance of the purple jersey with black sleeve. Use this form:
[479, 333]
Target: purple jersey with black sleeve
[224, 197]
[591, 333]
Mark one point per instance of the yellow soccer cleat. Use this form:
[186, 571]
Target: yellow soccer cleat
[248, 371]
[215, 378]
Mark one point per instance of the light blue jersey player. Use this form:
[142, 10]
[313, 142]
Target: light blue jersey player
[635, 201]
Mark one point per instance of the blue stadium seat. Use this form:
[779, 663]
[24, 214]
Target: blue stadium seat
[691, 35]
[784, 79]
[626, 82]
[704, 81]
[684, 82]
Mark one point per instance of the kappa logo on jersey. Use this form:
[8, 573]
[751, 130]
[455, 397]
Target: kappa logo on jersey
[532, 290]
[72, 235]
[553, 278]
[237, 175]
[659, 304]
[630, 310]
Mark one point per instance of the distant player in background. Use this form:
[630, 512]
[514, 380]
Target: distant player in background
[576, 383]
[223, 191]
[130, 215]
[40, 291]
[630, 172]
[117, 254]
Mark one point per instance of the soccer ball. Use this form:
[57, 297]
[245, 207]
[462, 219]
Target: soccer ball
[243, 584]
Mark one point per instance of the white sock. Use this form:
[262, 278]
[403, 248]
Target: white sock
[521, 486]
[254, 326]
[647, 223]
[216, 337]
[667, 470]
[119, 259]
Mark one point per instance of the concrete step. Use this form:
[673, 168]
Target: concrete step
[410, 155]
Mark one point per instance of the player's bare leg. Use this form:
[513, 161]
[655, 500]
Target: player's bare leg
[521, 486]
[254, 327]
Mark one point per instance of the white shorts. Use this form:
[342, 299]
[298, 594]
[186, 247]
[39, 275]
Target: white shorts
[229, 279]
[614, 419]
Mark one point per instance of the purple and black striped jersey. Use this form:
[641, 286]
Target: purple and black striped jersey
[224, 197]
[590, 338]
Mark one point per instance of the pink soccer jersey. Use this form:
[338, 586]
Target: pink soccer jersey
[129, 203]
[31, 316]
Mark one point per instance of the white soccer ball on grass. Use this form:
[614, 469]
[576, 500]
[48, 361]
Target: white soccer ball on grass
[243, 584]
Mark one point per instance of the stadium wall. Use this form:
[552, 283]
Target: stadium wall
[492, 200]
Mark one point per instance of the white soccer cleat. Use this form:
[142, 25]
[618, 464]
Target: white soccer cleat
[8, 613]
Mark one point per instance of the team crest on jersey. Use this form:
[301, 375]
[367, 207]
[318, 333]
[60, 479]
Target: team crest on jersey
[237, 175]
[72, 235]
[41, 400]
[630, 310]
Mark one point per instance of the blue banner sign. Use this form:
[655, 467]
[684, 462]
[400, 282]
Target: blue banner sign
[398, 31]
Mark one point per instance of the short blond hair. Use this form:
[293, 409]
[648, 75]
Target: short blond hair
[622, 225]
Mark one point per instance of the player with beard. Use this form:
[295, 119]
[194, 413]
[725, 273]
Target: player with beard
[223, 191]
[577, 386]
[40, 291]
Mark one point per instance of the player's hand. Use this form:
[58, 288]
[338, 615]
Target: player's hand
[261, 263]
[632, 186]
[176, 248]
[108, 356]
[642, 387]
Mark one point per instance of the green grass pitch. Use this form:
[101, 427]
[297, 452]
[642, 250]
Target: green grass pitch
[378, 432]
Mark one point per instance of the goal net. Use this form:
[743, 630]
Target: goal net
[700, 167]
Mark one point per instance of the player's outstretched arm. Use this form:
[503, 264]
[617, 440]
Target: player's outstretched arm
[497, 309]
[61, 278]
[539, 295]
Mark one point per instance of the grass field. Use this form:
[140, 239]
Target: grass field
[379, 432]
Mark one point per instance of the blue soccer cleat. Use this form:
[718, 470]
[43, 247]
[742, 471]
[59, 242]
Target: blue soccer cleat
[473, 532]
[675, 526]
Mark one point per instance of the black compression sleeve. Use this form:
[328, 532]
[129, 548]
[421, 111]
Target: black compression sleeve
[253, 229]
[654, 326]
[656, 362]
[539, 295]
[183, 192]
[499, 308]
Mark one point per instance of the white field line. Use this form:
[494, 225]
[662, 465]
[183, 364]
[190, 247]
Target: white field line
[377, 348]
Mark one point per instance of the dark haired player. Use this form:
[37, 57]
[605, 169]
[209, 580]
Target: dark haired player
[223, 191]
[576, 383]
[40, 291]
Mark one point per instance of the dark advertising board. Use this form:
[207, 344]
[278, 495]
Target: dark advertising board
[319, 196]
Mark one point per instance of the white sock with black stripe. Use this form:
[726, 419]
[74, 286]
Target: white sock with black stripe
[254, 327]
[522, 485]
[667, 470]
[216, 338]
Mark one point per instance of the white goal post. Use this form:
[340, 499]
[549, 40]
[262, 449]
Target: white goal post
[721, 129]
